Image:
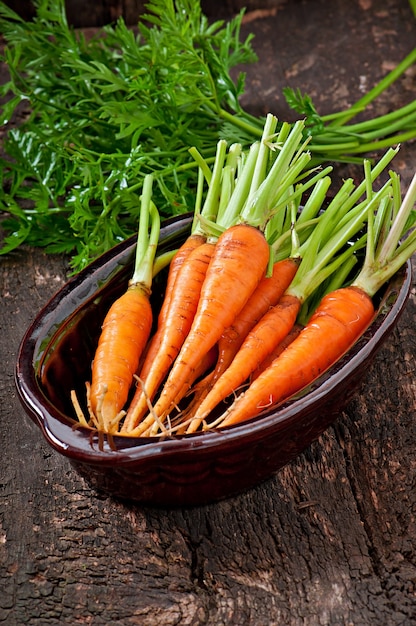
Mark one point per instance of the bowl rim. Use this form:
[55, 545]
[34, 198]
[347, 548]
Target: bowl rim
[85, 445]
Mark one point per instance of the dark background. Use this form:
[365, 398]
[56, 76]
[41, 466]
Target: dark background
[98, 12]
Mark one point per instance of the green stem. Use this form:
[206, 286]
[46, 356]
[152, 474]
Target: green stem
[381, 266]
[210, 207]
[380, 123]
[315, 201]
[142, 237]
[263, 157]
[396, 231]
[313, 281]
[335, 281]
[237, 121]
[330, 152]
[242, 187]
[389, 129]
[162, 261]
[229, 177]
[146, 243]
[281, 247]
[342, 219]
[198, 201]
[300, 188]
[255, 211]
[317, 264]
[202, 163]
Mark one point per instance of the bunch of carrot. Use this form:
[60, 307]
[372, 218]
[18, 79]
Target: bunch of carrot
[260, 299]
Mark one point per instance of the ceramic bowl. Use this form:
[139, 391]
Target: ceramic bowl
[55, 356]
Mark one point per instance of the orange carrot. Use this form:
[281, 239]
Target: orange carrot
[197, 236]
[125, 330]
[238, 265]
[177, 323]
[267, 294]
[265, 336]
[191, 242]
[336, 324]
[344, 314]
[291, 336]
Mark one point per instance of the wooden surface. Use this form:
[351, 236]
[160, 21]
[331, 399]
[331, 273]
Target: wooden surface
[330, 540]
[92, 13]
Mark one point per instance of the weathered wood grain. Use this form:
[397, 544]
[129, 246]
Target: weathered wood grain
[330, 540]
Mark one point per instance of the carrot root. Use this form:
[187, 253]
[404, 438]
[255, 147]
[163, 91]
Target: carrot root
[183, 303]
[265, 336]
[291, 336]
[337, 323]
[237, 267]
[267, 295]
[125, 331]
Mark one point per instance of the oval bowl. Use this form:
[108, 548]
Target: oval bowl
[55, 356]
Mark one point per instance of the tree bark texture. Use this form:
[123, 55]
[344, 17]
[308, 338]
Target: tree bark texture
[331, 539]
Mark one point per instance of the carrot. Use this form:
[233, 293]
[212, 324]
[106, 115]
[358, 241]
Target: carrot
[239, 263]
[181, 297]
[292, 334]
[278, 321]
[342, 316]
[332, 329]
[193, 241]
[176, 325]
[125, 330]
[267, 294]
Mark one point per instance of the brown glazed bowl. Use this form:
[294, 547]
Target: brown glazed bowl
[55, 357]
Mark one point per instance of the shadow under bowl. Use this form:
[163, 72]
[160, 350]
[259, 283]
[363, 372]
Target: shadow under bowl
[55, 357]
